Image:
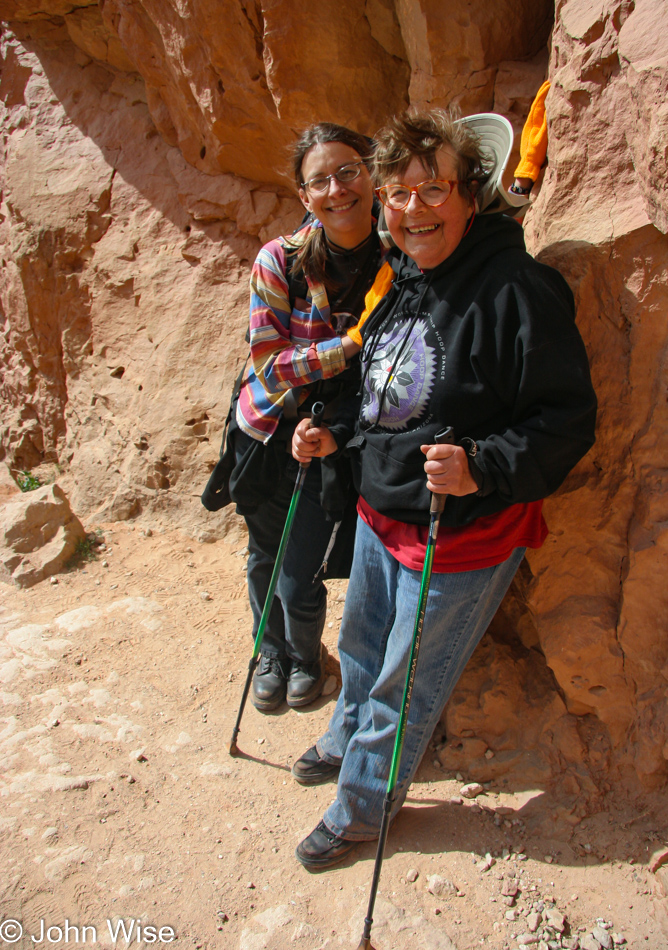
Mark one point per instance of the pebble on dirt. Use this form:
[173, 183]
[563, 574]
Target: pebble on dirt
[556, 921]
[487, 862]
[603, 937]
[440, 886]
[412, 875]
[534, 920]
[590, 943]
[471, 790]
[330, 686]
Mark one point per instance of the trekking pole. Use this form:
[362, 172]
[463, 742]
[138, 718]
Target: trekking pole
[446, 437]
[317, 411]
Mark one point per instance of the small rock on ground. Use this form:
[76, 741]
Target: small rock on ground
[534, 921]
[471, 790]
[590, 943]
[603, 937]
[330, 686]
[439, 886]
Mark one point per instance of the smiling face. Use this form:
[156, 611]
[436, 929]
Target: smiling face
[429, 235]
[344, 209]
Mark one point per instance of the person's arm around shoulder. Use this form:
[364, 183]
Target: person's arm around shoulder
[308, 443]
[278, 362]
[352, 341]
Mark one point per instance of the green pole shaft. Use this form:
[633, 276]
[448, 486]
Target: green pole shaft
[316, 419]
[275, 574]
[436, 509]
[412, 662]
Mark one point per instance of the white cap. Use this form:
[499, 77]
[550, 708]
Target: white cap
[496, 138]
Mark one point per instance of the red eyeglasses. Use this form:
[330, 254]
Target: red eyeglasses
[434, 193]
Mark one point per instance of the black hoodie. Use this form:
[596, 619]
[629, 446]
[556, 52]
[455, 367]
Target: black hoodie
[486, 343]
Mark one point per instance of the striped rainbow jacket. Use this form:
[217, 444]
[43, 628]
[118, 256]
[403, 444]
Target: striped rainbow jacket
[289, 347]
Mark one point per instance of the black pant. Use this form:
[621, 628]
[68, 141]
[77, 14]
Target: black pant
[297, 617]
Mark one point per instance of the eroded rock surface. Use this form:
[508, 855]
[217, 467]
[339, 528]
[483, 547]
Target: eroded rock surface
[124, 291]
[455, 49]
[8, 487]
[144, 157]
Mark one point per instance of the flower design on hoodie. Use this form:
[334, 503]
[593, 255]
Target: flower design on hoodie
[403, 368]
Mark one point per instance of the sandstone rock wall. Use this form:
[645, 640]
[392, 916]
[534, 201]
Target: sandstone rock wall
[455, 49]
[593, 599]
[125, 268]
[143, 163]
[601, 219]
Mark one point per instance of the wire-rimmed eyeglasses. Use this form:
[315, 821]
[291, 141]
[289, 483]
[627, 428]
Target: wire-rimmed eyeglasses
[346, 173]
[434, 192]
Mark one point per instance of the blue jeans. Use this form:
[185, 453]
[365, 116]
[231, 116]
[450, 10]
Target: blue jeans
[297, 616]
[374, 646]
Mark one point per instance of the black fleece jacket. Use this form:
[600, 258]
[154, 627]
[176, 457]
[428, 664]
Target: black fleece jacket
[486, 343]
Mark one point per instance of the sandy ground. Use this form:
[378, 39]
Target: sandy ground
[120, 803]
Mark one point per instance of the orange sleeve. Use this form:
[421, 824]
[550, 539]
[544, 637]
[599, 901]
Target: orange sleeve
[533, 147]
[381, 285]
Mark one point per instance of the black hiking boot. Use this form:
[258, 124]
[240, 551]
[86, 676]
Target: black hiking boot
[322, 849]
[306, 681]
[313, 770]
[270, 683]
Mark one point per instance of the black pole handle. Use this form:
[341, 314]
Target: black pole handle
[444, 437]
[317, 412]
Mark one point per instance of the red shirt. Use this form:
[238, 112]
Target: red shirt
[482, 543]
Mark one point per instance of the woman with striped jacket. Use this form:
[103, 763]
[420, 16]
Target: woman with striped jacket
[307, 291]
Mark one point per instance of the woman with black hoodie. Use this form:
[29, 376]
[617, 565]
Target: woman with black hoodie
[467, 331]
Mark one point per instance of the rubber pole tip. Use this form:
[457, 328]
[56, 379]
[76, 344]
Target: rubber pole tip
[365, 944]
[234, 748]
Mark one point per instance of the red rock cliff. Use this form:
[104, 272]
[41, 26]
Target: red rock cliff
[143, 156]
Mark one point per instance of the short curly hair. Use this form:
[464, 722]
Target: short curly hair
[421, 135]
